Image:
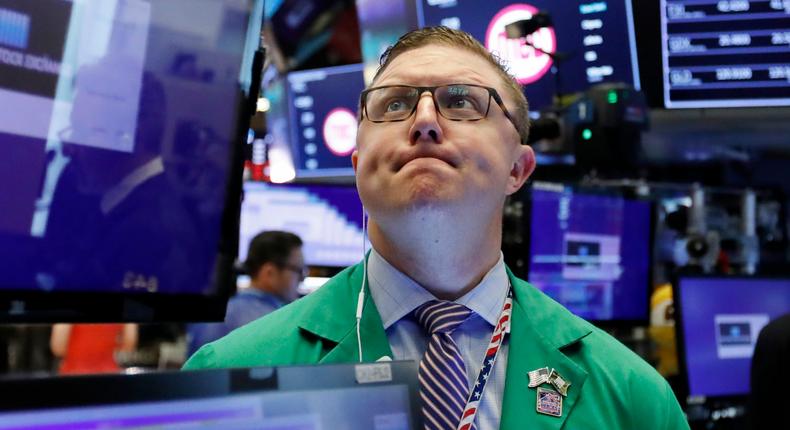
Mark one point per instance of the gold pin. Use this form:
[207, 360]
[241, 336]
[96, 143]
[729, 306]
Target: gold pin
[560, 383]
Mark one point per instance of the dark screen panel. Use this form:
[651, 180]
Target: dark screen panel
[591, 252]
[116, 153]
[720, 319]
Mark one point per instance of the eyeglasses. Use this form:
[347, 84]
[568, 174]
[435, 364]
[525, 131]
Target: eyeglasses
[300, 271]
[456, 102]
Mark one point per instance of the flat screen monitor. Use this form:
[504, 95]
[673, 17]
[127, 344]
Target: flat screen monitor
[594, 41]
[117, 123]
[328, 218]
[348, 396]
[591, 252]
[323, 113]
[725, 54]
[718, 320]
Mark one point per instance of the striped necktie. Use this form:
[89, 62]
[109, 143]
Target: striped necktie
[443, 385]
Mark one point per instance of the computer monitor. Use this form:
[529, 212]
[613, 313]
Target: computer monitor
[592, 41]
[117, 123]
[591, 251]
[718, 320]
[725, 54]
[349, 396]
[323, 115]
[328, 218]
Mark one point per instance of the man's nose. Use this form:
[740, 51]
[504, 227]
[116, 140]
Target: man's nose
[426, 121]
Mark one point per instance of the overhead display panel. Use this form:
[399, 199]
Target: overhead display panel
[725, 53]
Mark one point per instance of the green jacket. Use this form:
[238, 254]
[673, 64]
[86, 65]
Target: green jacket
[611, 387]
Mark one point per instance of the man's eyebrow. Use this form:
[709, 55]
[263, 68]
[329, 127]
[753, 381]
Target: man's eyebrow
[414, 79]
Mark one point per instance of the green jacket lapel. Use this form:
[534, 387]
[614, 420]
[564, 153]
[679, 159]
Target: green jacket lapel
[540, 330]
[334, 319]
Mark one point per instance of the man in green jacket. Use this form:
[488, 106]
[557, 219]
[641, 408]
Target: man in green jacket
[440, 146]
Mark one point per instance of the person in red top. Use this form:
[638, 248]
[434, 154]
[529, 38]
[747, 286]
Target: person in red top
[90, 348]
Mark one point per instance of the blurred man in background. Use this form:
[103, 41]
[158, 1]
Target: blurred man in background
[770, 374]
[275, 265]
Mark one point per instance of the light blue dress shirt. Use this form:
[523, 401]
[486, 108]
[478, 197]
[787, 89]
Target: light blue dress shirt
[396, 296]
[246, 306]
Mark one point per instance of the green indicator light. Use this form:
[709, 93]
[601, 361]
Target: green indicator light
[612, 97]
[586, 134]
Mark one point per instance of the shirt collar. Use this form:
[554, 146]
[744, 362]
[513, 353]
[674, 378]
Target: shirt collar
[396, 295]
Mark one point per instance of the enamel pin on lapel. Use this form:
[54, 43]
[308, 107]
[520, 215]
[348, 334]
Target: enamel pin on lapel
[560, 383]
[539, 377]
[549, 402]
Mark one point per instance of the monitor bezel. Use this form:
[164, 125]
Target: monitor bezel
[614, 323]
[24, 394]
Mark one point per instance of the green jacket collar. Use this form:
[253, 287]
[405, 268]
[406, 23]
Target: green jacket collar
[333, 317]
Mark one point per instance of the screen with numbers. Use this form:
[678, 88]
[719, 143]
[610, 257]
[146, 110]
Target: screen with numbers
[726, 53]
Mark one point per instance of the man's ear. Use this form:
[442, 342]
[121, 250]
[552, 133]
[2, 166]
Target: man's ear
[522, 169]
[355, 159]
[266, 271]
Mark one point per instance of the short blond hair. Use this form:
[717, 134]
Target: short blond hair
[460, 39]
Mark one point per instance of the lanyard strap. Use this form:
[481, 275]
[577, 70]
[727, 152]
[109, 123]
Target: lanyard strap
[500, 331]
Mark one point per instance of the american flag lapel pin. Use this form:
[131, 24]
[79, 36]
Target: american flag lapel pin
[538, 377]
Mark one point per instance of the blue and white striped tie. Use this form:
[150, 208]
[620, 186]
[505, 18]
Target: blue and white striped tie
[443, 385]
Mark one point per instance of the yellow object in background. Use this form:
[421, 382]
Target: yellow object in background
[662, 330]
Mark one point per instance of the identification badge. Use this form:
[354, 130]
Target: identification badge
[549, 402]
[373, 372]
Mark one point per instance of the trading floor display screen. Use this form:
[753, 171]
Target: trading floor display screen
[116, 121]
[589, 42]
[323, 112]
[720, 320]
[328, 219]
[726, 53]
[591, 252]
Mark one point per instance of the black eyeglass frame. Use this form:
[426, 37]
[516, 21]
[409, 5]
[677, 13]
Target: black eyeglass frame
[492, 94]
[301, 271]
